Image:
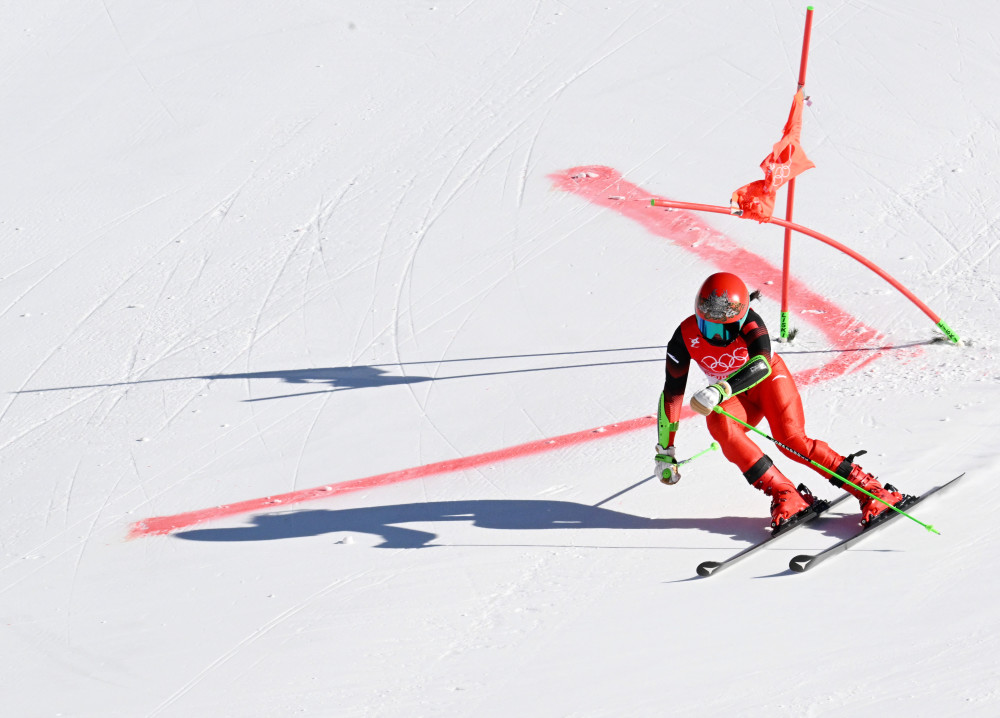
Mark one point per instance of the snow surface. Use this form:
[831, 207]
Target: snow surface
[256, 248]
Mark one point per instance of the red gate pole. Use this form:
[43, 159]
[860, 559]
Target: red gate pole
[791, 226]
[786, 261]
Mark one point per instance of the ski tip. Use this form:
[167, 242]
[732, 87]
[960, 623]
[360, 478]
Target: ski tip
[800, 563]
[707, 568]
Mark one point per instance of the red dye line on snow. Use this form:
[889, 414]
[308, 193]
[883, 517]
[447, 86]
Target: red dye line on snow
[688, 231]
[167, 524]
[685, 230]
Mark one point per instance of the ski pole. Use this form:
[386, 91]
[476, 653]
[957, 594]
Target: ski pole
[714, 445]
[835, 475]
[688, 460]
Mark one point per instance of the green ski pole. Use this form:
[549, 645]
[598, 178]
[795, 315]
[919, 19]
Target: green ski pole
[837, 476]
[688, 460]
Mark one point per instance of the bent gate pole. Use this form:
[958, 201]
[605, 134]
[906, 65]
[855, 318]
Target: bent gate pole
[938, 321]
[787, 257]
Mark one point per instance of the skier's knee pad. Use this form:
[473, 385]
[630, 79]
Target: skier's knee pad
[758, 469]
[844, 469]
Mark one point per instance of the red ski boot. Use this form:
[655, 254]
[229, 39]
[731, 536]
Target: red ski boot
[786, 501]
[870, 508]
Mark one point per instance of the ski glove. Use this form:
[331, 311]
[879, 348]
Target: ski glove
[708, 398]
[667, 470]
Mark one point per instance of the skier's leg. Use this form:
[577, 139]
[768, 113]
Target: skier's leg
[782, 405]
[733, 440]
[870, 507]
[786, 501]
[758, 469]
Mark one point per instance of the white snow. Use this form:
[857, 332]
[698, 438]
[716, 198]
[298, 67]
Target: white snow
[258, 248]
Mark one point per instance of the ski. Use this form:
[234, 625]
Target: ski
[818, 508]
[805, 562]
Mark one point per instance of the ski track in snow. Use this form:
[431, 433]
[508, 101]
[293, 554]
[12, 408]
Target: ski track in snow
[136, 64]
[429, 219]
[81, 323]
[254, 636]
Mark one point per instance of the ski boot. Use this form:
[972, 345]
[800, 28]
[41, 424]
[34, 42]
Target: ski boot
[787, 502]
[871, 508]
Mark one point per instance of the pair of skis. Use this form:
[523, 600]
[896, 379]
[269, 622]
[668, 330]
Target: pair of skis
[804, 562]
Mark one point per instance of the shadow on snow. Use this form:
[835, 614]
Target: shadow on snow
[506, 515]
[376, 375]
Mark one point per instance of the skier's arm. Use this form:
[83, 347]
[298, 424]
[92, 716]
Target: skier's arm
[669, 410]
[758, 367]
[672, 398]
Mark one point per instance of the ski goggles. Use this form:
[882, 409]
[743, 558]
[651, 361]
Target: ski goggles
[719, 333]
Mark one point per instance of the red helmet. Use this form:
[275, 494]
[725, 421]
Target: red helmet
[721, 308]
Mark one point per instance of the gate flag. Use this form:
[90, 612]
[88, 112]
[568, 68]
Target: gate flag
[786, 161]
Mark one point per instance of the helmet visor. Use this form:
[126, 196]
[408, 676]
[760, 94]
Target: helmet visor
[719, 333]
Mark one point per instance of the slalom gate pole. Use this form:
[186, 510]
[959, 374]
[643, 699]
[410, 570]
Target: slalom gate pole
[718, 409]
[787, 258]
[688, 460]
[717, 209]
[938, 321]
[786, 266]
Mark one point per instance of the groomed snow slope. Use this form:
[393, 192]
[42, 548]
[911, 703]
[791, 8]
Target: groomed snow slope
[255, 249]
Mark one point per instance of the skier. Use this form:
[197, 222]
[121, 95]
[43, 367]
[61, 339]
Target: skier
[729, 341]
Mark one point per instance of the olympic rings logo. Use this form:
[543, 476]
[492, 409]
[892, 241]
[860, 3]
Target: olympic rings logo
[778, 174]
[721, 366]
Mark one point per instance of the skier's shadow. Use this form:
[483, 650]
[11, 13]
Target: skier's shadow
[505, 515]
[335, 378]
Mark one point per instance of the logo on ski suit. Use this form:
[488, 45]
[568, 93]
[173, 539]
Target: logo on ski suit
[721, 366]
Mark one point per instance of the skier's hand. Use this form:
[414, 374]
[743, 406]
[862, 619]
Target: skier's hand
[667, 470]
[708, 398]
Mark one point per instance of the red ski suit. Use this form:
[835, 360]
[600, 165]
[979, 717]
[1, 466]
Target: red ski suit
[775, 398]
